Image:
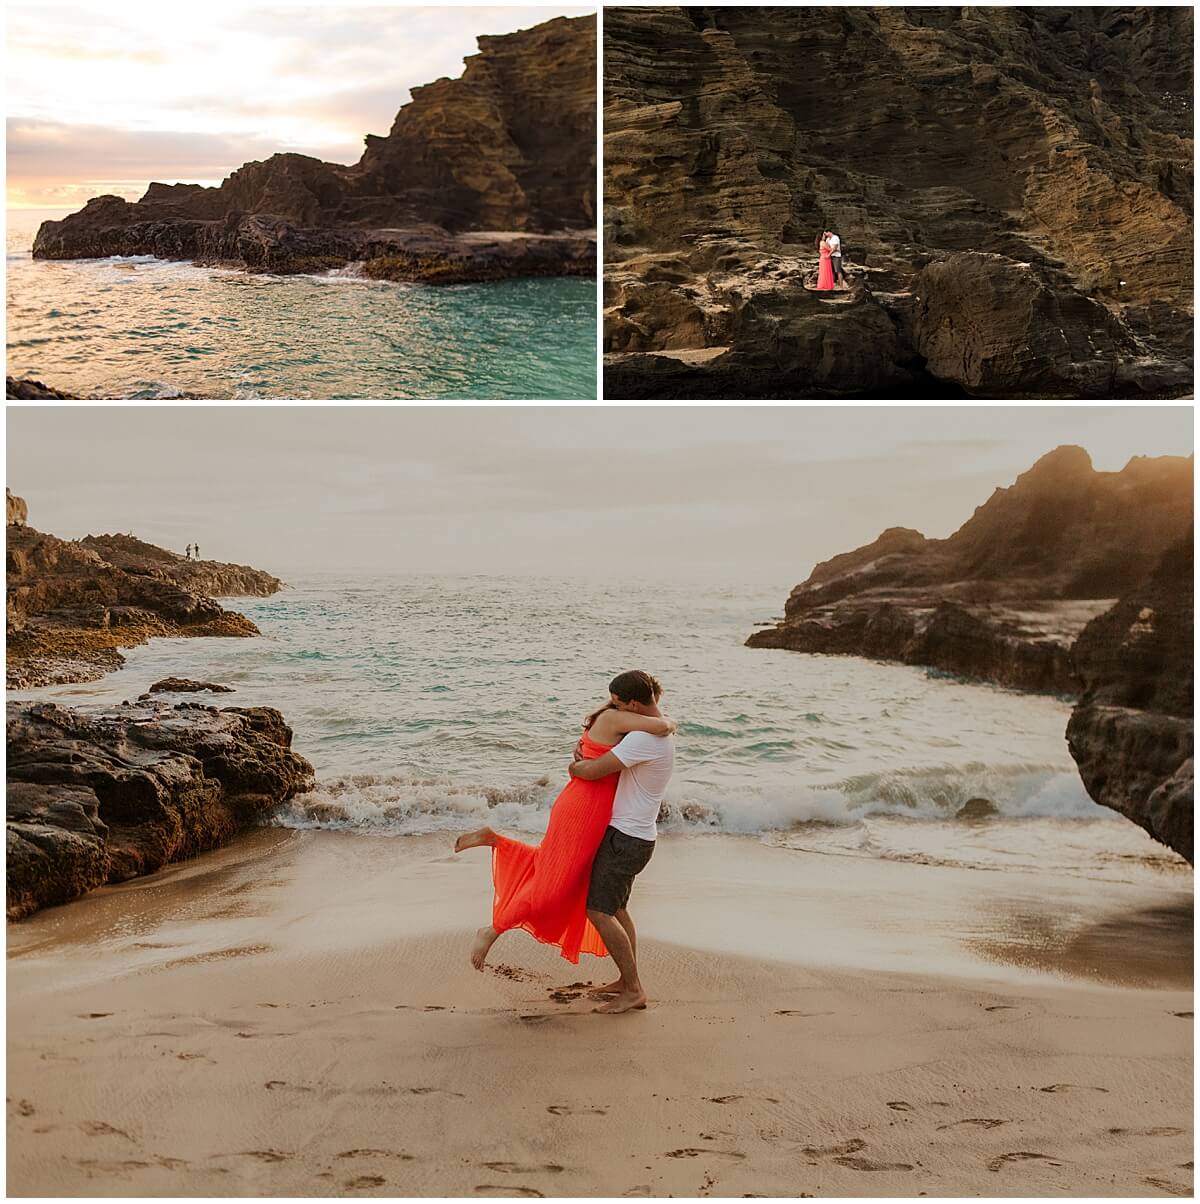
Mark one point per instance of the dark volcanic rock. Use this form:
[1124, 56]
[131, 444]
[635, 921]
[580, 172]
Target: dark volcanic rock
[32, 390]
[1131, 731]
[1013, 187]
[1003, 598]
[69, 608]
[509, 147]
[185, 685]
[106, 796]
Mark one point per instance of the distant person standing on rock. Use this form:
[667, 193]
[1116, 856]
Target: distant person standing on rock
[188, 553]
[195, 551]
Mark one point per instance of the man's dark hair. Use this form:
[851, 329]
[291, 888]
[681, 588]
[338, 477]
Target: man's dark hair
[635, 685]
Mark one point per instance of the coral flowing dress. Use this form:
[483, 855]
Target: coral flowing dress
[543, 888]
[825, 275]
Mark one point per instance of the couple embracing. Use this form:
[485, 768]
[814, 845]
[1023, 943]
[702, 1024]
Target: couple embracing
[572, 890]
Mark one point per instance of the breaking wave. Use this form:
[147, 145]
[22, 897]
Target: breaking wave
[399, 804]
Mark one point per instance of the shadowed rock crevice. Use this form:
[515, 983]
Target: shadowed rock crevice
[488, 176]
[1013, 187]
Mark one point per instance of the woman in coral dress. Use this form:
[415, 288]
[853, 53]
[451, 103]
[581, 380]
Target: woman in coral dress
[543, 888]
[825, 274]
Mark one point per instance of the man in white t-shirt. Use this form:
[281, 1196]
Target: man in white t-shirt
[645, 763]
[835, 257]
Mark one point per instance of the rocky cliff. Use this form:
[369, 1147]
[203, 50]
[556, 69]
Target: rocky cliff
[1013, 187]
[72, 604]
[107, 796]
[1131, 731]
[487, 176]
[1003, 598]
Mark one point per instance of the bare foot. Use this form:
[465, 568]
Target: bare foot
[471, 840]
[485, 938]
[627, 1001]
[610, 988]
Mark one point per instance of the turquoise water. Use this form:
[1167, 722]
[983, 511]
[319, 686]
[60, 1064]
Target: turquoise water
[138, 327]
[430, 703]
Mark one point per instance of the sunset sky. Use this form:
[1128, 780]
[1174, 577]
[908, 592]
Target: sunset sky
[717, 494]
[108, 98]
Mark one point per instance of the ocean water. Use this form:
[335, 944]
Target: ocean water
[139, 327]
[434, 704]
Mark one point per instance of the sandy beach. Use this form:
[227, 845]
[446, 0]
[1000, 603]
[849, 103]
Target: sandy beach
[295, 1015]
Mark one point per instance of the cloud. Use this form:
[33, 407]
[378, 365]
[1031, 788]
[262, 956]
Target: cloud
[54, 163]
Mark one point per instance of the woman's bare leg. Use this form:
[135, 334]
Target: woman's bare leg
[485, 938]
[471, 840]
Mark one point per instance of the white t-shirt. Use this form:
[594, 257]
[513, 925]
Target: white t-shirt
[648, 762]
[835, 244]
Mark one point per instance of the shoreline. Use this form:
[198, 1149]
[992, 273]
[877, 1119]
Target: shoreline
[295, 1014]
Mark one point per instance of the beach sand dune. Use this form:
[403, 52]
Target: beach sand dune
[296, 1015]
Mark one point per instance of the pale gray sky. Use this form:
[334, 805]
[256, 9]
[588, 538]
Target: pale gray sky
[723, 494]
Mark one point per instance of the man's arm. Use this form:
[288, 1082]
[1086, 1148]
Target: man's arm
[597, 767]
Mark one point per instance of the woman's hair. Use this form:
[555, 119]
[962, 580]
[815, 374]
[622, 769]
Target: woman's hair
[634, 685]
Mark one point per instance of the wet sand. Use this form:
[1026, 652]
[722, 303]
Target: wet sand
[295, 1015]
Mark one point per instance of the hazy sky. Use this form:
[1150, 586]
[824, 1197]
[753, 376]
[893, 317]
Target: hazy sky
[719, 494]
[107, 97]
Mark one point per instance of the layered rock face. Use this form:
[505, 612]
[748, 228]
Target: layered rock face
[1005, 596]
[71, 605]
[1131, 732]
[1013, 187]
[107, 796]
[508, 148]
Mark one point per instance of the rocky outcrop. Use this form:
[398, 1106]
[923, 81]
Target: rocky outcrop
[1013, 187]
[18, 511]
[70, 608]
[109, 795]
[185, 685]
[488, 176]
[1003, 598]
[24, 389]
[212, 577]
[1131, 731]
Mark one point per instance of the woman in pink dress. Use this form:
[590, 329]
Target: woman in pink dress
[825, 275]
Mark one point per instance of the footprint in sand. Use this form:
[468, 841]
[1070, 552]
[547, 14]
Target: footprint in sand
[638, 1191]
[104, 1164]
[97, 1128]
[523, 1168]
[899, 1105]
[1161, 1131]
[266, 1155]
[984, 1122]
[691, 1152]
[1182, 1016]
[22, 1107]
[280, 1085]
[416, 1007]
[789, 1012]
[865, 1164]
[827, 1151]
[1172, 1189]
[569, 1110]
[93, 1015]
[374, 1154]
[998, 1164]
[1001, 1007]
[1072, 1087]
[364, 1181]
[496, 1189]
[433, 1091]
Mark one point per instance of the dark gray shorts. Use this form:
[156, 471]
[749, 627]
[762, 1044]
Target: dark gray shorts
[836, 264]
[619, 860]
